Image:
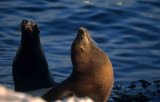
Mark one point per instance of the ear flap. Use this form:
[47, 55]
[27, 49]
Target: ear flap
[82, 48]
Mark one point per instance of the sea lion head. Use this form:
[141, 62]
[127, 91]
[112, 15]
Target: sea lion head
[85, 55]
[29, 27]
[82, 41]
[30, 33]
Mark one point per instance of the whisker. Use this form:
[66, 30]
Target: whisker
[94, 42]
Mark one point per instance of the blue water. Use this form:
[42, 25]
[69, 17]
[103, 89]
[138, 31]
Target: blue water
[127, 30]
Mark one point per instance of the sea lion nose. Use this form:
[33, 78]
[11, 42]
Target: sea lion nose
[82, 30]
[24, 21]
[28, 22]
[29, 25]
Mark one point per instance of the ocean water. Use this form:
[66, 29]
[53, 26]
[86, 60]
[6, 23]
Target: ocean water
[126, 30]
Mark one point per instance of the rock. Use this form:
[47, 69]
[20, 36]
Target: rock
[8, 95]
[75, 99]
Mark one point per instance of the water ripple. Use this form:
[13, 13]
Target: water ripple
[128, 31]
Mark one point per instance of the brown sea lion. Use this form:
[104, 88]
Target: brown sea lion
[92, 73]
[30, 67]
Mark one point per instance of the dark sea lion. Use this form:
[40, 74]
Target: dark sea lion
[30, 67]
[92, 73]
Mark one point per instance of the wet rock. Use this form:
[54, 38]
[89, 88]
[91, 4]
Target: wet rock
[7, 95]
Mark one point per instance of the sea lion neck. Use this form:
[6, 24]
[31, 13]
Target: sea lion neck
[89, 63]
[30, 34]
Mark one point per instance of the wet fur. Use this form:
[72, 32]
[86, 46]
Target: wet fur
[30, 67]
[92, 73]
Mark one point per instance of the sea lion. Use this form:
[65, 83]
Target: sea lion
[30, 68]
[92, 73]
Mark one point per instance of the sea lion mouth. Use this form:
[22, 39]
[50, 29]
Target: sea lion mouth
[29, 26]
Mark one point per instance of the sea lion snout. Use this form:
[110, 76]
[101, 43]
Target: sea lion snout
[83, 33]
[82, 40]
[29, 26]
[82, 30]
